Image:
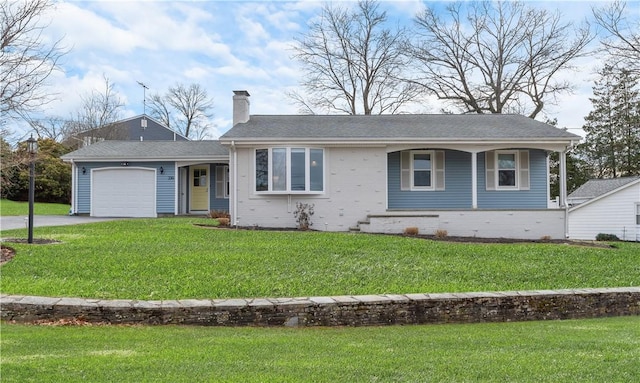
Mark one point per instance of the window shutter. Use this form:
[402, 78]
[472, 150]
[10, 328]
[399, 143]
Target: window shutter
[405, 170]
[220, 184]
[439, 167]
[490, 170]
[524, 170]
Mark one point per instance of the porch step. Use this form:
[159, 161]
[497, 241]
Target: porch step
[354, 229]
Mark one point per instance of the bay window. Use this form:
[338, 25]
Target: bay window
[289, 170]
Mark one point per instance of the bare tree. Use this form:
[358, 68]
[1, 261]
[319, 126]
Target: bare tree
[495, 57]
[26, 58]
[191, 106]
[100, 108]
[160, 109]
[96, 119]
[353, 63]
[622, 34]
[54, 128]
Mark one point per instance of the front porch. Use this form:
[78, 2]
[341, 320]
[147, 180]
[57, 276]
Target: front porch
[202, 187]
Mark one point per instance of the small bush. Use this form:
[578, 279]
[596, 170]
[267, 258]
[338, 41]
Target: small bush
[215, 214]
[412, 230]
[303, 214]
[223, 221]
[607, 237]
[440, 233]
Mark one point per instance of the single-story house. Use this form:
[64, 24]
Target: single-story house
[468, 175]
[607, 206]
[138, 128]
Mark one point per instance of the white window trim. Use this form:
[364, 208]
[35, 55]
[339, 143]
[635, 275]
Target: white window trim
[637, 213]
[222, 184]
[516, 156]
[307, 175]
[431, 154]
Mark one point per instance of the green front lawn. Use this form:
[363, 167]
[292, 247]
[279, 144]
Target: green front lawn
[12, 208]
[595, 350]
[171, 258]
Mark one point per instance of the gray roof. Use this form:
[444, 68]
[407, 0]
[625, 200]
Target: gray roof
[597, 187]
[133, 130]
[148, 150]
[476, 127]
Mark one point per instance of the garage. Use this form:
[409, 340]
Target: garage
[123, 192]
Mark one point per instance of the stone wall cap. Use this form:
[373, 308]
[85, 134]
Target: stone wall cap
[75, 302]
[417, 297]
[322, 300]
[345, 299]
[373, 298]
[231, 303]
[397, 297]
[147, 305]
[196, 302]
[43, 301]
[260, 302]
[115, 303]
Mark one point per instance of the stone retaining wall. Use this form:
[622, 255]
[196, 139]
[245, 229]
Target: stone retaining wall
[363, 310]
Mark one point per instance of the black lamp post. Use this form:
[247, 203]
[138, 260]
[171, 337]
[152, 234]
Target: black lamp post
[32, 148]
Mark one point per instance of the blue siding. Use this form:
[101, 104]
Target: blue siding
[165, 184]
[534, 198]
[216, 203]
[457, 193]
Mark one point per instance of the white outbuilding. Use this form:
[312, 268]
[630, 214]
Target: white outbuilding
[607, 206]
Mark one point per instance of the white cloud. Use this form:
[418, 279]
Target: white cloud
[225, 46]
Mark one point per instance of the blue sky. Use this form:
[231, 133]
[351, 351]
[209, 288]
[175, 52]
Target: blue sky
[224, 46]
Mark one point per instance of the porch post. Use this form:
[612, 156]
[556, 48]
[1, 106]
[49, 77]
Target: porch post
[474, 180]
[563, 178]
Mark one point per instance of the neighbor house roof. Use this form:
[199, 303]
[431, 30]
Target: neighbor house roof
[436, 127]
[597, 187]
[154, 130]
[149, 150]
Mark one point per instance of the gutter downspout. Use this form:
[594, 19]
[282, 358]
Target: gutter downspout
[474, 180]
[235, 183]
[563, 187]
[74, 170]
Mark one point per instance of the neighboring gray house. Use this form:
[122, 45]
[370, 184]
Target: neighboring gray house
[138, 128]
[471, 175]
[608, 206]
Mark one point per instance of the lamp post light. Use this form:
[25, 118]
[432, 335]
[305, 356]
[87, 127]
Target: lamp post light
[32, 148]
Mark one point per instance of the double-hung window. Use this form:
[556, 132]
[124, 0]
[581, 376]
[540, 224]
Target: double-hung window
[507, 170]
[289, 170]
[421, 170]
[222, 181]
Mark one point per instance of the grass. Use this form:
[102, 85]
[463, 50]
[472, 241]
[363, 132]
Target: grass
[595, 350]
[13, 208]
[171, 258]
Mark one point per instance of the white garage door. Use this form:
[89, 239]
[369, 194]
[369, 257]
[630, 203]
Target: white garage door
[128, 192]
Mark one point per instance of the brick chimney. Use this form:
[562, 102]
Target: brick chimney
[240, 106]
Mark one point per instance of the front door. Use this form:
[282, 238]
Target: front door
[199, 188]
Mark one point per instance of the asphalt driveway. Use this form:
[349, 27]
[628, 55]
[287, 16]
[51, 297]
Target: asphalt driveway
[21, 221]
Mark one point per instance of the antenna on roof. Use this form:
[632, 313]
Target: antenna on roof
[144, 97]
[143, 122]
